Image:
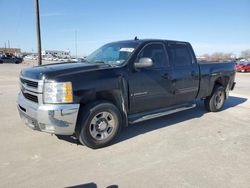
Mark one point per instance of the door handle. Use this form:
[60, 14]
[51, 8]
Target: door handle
[165, 76]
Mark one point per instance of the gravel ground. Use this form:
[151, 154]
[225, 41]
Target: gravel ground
[188, 149]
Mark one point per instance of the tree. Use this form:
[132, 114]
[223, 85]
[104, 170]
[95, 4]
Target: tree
[218, 56]
[245, 54]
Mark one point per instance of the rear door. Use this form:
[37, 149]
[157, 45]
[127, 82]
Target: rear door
[185, 72]
[151, 88]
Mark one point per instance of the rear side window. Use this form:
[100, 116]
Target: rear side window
[179, 55]
[156, 52]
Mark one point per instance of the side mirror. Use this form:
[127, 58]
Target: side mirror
[144, 63]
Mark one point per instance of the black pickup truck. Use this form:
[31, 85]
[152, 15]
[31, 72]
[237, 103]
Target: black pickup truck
[119, 84]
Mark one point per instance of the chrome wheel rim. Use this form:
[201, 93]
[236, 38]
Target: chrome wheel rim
[102, 125]
[219, 99]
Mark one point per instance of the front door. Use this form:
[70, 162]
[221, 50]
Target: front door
[151, 88]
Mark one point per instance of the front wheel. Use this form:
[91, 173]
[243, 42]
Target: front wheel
[100, 125]
[216, 101]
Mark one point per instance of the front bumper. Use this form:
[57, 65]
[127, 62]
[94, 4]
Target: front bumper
[56, 119]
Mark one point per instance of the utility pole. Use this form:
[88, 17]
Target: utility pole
[8, 44]
[76, 41]
[38, 32]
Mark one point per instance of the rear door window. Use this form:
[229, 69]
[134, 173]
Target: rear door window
[180, 55]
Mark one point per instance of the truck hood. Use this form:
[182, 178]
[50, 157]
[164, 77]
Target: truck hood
[54, 70]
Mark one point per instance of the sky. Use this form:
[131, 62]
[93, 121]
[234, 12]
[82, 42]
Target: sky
[209, 25]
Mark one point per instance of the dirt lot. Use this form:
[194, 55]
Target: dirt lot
[188, 149]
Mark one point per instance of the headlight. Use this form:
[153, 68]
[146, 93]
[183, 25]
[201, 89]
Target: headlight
[60, 92]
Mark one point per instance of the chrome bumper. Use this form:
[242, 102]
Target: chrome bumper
[55, 119]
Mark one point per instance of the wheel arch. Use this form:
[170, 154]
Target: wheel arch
[111, 96]
[223, 81]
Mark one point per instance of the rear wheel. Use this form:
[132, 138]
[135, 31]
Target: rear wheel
[216, 101]
[100, 126]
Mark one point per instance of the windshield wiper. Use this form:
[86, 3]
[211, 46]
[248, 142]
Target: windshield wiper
[100, 62]
[103, 62]
[85, 61]
[97, 62]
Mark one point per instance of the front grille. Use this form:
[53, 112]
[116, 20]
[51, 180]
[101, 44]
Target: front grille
[30, 89]
[29, 83]
[30, 97]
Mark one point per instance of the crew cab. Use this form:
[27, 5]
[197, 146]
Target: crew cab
[119, 84]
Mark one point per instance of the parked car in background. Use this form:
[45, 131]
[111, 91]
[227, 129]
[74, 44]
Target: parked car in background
[243, 67]
[31, 57]
[10, 59]
[55, 59]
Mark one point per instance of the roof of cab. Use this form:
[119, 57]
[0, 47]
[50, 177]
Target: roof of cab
[151, 40]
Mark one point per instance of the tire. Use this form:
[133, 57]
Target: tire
[99, 124]
[215, 102]
[17, 62]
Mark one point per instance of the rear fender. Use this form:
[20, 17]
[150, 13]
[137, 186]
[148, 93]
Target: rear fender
[222, 81]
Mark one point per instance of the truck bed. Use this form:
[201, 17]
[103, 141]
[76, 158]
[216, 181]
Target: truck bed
[210, 72]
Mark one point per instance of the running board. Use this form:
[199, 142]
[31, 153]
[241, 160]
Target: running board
[141, 118]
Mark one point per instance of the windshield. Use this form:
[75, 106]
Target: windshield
[113, 53]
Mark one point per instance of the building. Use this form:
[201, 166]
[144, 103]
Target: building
[56, 53]
[12, 51]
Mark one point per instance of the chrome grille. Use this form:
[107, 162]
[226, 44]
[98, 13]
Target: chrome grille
[29, 83]
[30, 97]
[31, 89]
